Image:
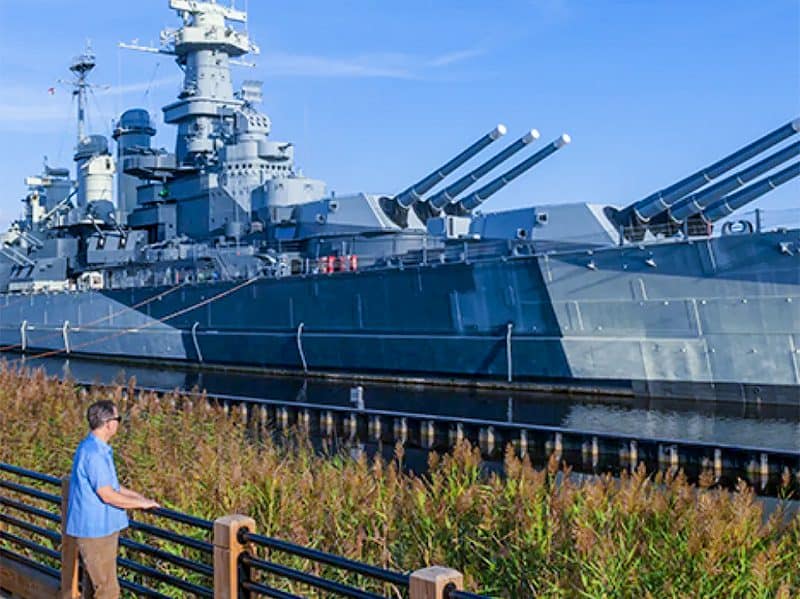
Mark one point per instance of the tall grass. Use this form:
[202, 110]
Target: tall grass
[531, 532]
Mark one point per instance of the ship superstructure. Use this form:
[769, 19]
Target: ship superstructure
[220, 251]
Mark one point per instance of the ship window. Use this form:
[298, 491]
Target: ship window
[522, 234]
[541, 218]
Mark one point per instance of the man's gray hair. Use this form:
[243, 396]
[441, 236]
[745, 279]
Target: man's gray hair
[100, 412]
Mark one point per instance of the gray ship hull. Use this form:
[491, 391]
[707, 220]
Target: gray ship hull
[712, 318]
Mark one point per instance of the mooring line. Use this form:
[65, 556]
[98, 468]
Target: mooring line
[136, 306]
[152, 323]
[300, 346]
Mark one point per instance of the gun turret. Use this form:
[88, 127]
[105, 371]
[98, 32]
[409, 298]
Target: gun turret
[660, 201]
[732, 202]
[414, 193]
[700, 201]
[476, 198]
[444, 197]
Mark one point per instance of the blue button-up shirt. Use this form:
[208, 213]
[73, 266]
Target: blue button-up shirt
[92, 468]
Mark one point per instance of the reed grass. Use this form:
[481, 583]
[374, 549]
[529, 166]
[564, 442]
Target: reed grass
[531, 532]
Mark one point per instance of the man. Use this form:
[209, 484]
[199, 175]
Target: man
[97, 502]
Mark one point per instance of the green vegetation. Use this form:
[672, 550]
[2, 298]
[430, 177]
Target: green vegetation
[529, 533]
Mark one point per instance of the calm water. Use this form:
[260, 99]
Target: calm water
[776, 427]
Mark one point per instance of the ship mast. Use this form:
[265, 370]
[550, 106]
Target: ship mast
[82, 65]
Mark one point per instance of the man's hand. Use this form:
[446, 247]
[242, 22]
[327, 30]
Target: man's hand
[148, 504]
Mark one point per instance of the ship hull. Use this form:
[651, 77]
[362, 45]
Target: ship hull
[711, 319]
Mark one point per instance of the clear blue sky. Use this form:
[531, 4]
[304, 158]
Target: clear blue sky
[376, 93]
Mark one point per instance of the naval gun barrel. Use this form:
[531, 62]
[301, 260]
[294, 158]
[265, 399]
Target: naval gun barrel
[444, 197]
[476, 198]
[661, 201]
[732, 202]
[698, 202]
[414, 193]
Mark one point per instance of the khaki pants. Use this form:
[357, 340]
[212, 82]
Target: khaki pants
[100, 563]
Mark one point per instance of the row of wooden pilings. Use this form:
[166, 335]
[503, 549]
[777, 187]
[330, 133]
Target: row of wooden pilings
[585, 449]
[428, 434]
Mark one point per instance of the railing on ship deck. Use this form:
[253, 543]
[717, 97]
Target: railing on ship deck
[356, 253]
[198, 562]
[744, 223]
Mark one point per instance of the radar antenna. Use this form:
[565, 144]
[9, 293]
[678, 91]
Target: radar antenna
[194, 13]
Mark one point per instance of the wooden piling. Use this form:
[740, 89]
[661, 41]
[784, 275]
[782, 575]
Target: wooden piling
[227, 550]
[69, 551]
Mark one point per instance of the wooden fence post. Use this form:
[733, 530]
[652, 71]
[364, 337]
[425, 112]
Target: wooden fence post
[430, 583]
[69, 551]
[227, 550]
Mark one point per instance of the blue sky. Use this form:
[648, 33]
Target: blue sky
[376, 93]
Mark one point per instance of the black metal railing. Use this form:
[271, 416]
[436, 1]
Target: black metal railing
[195, 563]
[142, 561]
[252, 565]
[32, 537]
[450, 592]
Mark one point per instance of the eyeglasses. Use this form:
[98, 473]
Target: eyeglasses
[117, 418]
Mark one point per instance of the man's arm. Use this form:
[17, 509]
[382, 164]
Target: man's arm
[123, 501]
[101, 477]
[130, 493]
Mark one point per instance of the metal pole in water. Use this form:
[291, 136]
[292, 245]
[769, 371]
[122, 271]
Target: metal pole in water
[357, 397]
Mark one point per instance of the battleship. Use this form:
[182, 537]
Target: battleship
[219, 253]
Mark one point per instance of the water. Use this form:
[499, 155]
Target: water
[773, 427]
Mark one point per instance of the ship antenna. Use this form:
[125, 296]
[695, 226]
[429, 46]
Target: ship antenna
[81, 66]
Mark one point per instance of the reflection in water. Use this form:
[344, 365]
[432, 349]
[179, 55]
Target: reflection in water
[776, 427]
[773, 433]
